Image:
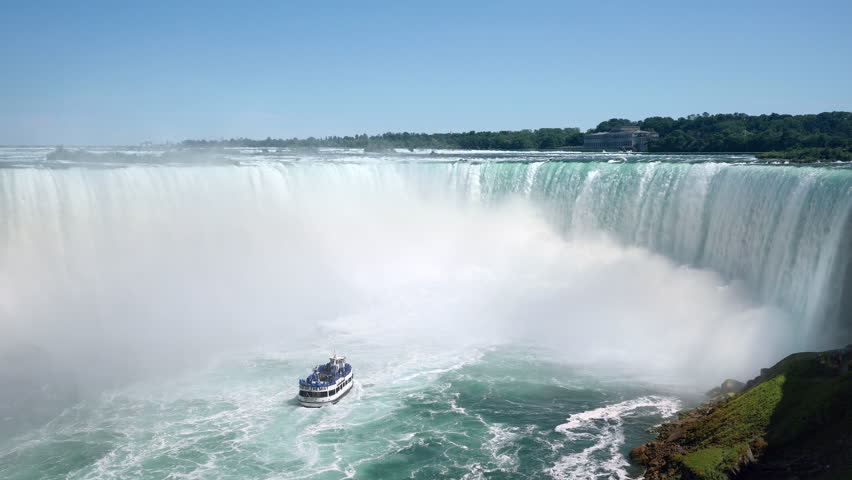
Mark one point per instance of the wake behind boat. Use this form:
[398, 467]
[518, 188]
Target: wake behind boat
[327, 383]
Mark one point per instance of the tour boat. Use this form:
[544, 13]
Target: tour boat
[327, 383]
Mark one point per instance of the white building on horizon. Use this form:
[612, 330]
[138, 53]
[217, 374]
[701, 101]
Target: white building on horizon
[623, 138]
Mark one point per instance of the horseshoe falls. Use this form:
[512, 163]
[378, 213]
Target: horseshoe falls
[508, 315]
[783, 231]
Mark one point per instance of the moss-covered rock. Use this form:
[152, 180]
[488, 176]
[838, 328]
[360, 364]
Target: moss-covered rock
[792, 421]
[727, 390]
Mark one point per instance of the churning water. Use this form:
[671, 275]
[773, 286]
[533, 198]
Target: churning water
[507, 315]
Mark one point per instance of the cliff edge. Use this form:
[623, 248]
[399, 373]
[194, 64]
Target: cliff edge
[793, 421]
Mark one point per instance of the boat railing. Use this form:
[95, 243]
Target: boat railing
[316, 384]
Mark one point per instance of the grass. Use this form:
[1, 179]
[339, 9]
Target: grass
[711, 463]
[799, 409]
[742, 419]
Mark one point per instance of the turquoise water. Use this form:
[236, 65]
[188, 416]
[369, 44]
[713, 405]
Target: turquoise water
[512, 315]
[482, 413]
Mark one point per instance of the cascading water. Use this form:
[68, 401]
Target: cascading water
[785, 231]
[481, 301]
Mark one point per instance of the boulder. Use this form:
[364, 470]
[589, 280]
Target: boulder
[725, 390]
[731, 386]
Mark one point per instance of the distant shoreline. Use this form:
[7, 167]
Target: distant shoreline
[807, 138]
[704, 133]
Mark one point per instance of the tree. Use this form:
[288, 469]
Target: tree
[611, 124]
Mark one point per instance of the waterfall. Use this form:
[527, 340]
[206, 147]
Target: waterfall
[781, 232]
[786, 232]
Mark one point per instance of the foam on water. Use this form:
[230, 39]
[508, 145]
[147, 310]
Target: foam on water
[605, 425]
[480, 302]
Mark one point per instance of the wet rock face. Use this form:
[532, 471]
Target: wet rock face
[840, 360]
[654, 456]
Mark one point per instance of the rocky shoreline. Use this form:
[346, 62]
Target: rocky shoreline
[793, 421]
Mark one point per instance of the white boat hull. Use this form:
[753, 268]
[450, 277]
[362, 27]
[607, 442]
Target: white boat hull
[321, 396]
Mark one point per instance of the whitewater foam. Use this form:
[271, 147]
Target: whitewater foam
[418, 269]
[605, 425]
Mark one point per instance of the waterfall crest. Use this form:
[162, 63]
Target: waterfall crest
[782, 232]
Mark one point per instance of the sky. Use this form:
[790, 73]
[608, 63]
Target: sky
[94, 72]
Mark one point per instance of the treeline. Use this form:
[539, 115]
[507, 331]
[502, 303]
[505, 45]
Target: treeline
[738, 132]
[728, 132]
[808, 155]
[542, 138]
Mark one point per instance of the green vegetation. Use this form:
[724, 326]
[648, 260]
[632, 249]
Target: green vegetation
[795, 418]
[785, 136]
[725, 436]
[706, 463]
[542, 138]
[738, 132]
[742, 418]
[807, 155]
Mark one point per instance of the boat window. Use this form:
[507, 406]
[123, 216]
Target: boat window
[304, 393]
[323, 394]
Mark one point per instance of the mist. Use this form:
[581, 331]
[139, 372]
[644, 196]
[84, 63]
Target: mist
[122, 274]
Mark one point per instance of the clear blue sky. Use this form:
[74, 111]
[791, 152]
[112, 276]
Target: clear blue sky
[126, 72]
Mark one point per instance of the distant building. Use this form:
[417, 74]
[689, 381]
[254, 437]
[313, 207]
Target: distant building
[623, 138]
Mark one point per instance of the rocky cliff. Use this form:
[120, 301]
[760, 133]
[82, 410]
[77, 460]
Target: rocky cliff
[793, 421]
